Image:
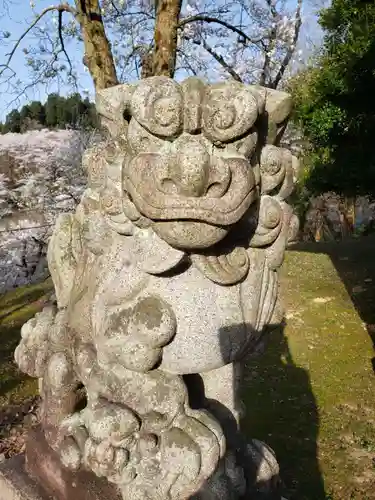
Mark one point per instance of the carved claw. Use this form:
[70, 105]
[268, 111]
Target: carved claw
[105, 438]
[105, 460]
[32, 352]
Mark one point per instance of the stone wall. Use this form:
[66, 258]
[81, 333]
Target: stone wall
[331, 216]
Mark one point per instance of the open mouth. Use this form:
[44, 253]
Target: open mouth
[223, 202]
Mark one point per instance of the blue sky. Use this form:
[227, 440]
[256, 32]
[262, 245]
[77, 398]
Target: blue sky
[16, 18]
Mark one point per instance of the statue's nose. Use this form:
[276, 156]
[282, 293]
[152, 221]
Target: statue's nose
[190, 167]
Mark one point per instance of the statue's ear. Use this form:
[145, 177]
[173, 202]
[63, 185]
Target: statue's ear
[113, 107]
[277, 110]
[278, 105]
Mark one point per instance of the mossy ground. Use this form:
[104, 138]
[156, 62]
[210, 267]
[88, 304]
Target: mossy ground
[310, 395]
[16, 307]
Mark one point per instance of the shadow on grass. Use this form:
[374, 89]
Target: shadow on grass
[281, 410]
[355, 264]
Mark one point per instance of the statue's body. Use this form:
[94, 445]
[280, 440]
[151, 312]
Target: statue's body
[168, 268]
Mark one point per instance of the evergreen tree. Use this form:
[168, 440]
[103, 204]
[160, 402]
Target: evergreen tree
[335, 104]
[13, 122]
[25, 112]
[37, 112]
[52, 110]
[57, 112]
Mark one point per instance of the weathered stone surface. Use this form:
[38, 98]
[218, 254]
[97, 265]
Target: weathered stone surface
[165, 276]
[58, 482]
[16, 484]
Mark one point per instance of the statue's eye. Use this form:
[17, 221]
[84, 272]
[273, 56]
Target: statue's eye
[229, 111]
[157, 105]
[141, 141]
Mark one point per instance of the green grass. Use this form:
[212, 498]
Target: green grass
[310, 395]
[16, 307]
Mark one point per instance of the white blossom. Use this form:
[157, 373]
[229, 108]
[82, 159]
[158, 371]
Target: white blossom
[49, 179]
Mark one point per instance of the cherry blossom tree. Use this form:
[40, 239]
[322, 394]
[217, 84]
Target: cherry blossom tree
[22, 256]
[253, 41]
[47, 179]
[248, 40]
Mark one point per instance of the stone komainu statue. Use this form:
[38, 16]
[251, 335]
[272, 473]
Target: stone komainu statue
[165, 277]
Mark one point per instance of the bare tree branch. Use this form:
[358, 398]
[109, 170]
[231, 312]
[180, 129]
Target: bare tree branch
[62, 43]
[208, 19]
[38, 79]
[138, 13]
[272, 7]
[266, 70]
[222, 61]
[62, 7]
[187, 64]
[115, 7]
[16, 230]
[292, 48]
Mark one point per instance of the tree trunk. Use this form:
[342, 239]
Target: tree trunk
[165, 51]
[98, 55]
[147, 65]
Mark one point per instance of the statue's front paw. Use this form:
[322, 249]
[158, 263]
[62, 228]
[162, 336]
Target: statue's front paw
[106, 460]
[261, 469]
[32, 352]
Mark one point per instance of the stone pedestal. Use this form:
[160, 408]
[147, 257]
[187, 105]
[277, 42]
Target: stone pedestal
[44, 465]
[165, 277]
[16, 484]
[39, 475]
